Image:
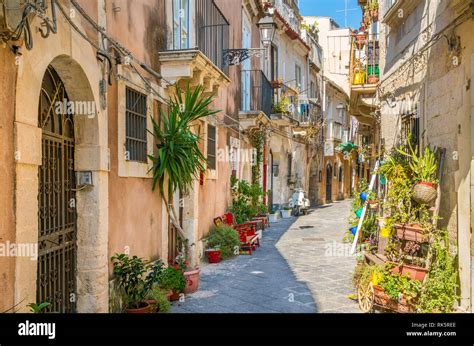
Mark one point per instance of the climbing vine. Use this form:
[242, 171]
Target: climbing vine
[257, 140]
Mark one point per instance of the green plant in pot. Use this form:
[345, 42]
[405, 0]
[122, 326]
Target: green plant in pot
[424, 167]
[224, 239]
[129, 273]
[173, 279]
[157, 297]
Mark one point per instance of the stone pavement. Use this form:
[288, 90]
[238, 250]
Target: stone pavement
[301, 267]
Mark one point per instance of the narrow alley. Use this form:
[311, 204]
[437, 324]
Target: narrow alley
[299, 268]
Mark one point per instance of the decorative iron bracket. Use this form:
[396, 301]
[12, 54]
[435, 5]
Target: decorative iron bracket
[237, 56]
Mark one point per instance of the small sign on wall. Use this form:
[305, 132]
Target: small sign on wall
[329, 148]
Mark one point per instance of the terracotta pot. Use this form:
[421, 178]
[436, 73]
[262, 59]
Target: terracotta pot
[174, 296]
[385, 301]
[425, 192]
[276, 84]
[411, 232]
[144, 309]
[169, 295]
[192, 281]
[414, 272]
[373, 79]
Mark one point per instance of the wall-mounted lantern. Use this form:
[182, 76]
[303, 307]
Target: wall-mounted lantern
[267, 28]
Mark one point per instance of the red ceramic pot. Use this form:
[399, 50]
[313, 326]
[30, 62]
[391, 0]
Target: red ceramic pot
[214, 256]
[413, 272]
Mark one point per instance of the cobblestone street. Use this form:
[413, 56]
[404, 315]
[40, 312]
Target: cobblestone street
[300, 268]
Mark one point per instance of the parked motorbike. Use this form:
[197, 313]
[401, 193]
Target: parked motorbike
[299, 203]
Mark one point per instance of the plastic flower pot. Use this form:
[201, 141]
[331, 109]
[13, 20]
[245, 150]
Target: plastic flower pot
[214, 255]
[358, 212]
[363, 196]
[353, 230]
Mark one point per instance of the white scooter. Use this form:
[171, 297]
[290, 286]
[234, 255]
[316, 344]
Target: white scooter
[299, 203]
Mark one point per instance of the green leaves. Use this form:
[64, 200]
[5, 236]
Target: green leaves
[38, 308]
[177, 159]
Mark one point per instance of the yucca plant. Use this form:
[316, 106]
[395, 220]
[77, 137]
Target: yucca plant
[177, 159]
[423, 165]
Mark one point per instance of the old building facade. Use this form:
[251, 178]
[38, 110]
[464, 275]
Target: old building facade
[427, 67]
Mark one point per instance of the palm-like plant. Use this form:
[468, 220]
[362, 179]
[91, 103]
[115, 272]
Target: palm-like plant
[178, 160]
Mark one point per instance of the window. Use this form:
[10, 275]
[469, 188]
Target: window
[290, 163]
[211, 147]
[180, 24]
[312, 90]
[298, 77]
[135, 126]
[274, 62]
[411, 125]
[341, 174]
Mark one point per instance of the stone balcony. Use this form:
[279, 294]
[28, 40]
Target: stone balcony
[193, 67]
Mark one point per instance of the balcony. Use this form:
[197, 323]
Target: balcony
[286, 110]
[195, 52]
[256, 99]
[391, 11]
[364, 70]
[288, 14]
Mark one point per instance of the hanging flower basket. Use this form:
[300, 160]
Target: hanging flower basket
[425, 193]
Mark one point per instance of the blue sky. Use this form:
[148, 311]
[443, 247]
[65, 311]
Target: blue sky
[329, 8]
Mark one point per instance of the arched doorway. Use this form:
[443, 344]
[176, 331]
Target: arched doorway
[57, 217]
[329, 183]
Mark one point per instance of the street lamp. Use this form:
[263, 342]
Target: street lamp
[267, 29]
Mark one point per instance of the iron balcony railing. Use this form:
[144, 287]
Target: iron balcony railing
[288, 13]
[257, 92]
[364, 59]
[212, 30]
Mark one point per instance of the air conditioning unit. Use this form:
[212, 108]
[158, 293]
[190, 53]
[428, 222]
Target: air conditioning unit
[11, 13]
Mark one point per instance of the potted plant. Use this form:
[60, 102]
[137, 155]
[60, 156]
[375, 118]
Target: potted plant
[424, 168]
[411, 271]
[273, 217]
[360, 38]
[159, 300]
[373, 79]
[174, 280]
[277, 84]
[129, 273]
[359, 76]
[286, 212]
[374, 10]
[411, 232]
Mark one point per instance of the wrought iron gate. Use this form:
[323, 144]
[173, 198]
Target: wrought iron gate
[56, 280]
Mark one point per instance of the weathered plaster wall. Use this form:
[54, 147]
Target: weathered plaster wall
[7, 223]
[136, 214]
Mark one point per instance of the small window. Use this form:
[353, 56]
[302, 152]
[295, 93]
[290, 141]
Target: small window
[341, 174]
[180, 24]
[298, 77]
[136, 131]
[211, 147]
[411, 125]
[290, 163]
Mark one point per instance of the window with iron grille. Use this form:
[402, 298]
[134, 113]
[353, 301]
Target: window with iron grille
[411, 125]
[136, 132]
[211, 147]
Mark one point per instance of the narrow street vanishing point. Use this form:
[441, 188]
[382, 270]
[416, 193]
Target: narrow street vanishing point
[293, 271]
